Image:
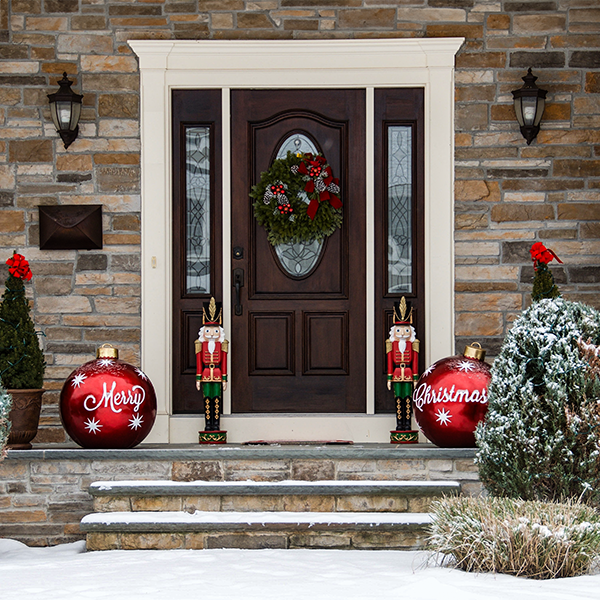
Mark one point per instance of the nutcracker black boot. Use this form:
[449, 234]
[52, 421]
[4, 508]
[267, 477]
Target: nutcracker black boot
[399, 415]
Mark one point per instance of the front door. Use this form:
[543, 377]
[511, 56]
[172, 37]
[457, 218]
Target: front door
[299, 325]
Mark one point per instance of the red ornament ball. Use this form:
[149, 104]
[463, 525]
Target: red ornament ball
[450, 399]
[108, 403]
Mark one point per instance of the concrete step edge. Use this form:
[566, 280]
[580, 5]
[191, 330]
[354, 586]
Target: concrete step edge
[270, 488]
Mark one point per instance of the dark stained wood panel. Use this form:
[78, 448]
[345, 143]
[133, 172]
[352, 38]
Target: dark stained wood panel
[326, 346]
[271, 343]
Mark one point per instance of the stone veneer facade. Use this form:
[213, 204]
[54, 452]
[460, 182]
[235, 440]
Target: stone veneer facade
[44, 493]
[508, 194]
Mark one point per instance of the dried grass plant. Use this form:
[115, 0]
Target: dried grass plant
[533, 539]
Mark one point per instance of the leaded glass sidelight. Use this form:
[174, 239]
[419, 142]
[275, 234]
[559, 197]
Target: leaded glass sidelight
[197, 223]
[399, 209]
[298, 259]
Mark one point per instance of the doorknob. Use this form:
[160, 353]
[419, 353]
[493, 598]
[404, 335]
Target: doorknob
[238, 282]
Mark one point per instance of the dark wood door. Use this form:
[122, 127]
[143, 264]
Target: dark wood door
[298, 345]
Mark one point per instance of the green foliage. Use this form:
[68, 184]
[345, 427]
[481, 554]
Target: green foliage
[530, 539]
[543, 283]
[5, 404]
[21, 359]
[301, 228]
[541, 436]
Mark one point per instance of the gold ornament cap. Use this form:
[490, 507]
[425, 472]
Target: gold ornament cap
[107, 351]
[474, 350]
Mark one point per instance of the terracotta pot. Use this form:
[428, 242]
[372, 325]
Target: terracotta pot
[24, 416]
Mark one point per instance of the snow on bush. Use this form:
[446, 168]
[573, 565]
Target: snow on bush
[541, 436]
[5, 404]
[517, 537]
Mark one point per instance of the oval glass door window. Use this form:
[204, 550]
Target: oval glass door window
[298, 259]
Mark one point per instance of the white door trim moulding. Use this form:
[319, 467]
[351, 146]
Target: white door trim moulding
[367, 64]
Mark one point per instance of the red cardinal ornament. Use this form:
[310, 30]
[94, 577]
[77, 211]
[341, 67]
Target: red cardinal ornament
[107, 403]
[451, 398]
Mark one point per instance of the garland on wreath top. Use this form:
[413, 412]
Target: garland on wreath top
[297, 199]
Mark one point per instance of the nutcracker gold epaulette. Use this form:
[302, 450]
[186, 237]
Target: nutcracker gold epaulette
[197, 346]
[415, 345]
[388, 346]
[225, 346]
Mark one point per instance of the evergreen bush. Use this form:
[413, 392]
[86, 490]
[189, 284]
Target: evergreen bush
[541, 436]
[540, 540]
[22, 362]
[5, 404]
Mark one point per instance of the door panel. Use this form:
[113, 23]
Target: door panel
[399, 232]
[197, 230]
[293, 338]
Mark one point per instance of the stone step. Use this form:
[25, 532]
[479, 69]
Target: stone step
[201, 529]
[250, 496]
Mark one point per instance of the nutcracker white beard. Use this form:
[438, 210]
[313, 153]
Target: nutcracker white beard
[402, 341]
[202, 337]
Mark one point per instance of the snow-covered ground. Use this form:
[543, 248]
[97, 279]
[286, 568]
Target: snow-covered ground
[67, 572]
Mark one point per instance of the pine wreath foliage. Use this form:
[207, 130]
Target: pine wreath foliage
[21, 359]
[301, 228]
[541, 436]
[5, 405]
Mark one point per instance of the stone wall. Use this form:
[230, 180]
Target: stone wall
[44, 494]
[508, 194]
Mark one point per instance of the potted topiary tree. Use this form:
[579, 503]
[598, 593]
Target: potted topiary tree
[22, 363]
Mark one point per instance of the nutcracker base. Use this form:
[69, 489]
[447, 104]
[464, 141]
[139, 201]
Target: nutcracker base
[404, 437]
[212, 437]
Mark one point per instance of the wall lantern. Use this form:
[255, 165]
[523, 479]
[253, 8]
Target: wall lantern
[65, 108]
[529, 106]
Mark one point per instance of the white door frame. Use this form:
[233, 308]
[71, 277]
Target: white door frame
[365, 64]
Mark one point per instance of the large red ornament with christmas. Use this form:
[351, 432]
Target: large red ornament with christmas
[451, 398]
[108, 403]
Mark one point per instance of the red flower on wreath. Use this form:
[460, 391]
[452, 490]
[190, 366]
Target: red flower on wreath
[19, 267]
[542, 255]
[319, 179]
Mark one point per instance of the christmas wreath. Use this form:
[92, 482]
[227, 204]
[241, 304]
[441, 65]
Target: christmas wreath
[297, 199]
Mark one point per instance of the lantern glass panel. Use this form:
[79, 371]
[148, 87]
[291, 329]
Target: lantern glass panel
[75, 113]
[63, 113]
[540, 111]
[529, 105]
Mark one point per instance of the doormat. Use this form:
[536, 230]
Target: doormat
[299, 443]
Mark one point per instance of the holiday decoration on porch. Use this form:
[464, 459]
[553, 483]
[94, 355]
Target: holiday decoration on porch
[402, 349]
[108, 403]
[211, 371]
[22, 362]
[298, 199]
[543, 280]
[5, 406]
[541, 436]
[451, 398]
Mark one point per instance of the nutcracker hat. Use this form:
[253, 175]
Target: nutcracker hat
[403, 312]
[212, 313]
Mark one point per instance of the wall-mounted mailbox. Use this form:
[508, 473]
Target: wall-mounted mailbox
[71, 227]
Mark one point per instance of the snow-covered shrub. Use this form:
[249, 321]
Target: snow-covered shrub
[5, 404]
[502, 535]
[541, 436]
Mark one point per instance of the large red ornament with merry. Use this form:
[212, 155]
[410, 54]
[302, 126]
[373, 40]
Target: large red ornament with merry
[451, 398]
[107, 403]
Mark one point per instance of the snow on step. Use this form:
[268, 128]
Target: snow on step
[200, 520]
[336, 487]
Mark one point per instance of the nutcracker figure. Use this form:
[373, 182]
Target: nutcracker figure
[402, 350]
[211, 371]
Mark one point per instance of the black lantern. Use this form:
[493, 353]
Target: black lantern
[65, 108]
[529, 106]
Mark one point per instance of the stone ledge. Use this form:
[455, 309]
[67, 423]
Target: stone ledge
[176, 522]
[262, 488]
[238, 451]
